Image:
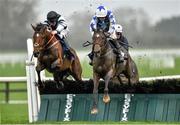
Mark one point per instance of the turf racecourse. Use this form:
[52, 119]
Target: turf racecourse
[18, 113]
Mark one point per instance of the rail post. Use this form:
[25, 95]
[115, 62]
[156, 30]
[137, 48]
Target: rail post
[7, 92]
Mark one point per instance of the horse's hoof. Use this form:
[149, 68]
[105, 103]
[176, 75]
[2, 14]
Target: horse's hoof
[59, 85]
[39, 84]
[106, 99]
[94, 111]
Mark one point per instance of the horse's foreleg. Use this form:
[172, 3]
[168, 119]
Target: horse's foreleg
[41, 85]
[96, 79]
[107, 78]
[58, 80]
[128, 72]
[39, 68]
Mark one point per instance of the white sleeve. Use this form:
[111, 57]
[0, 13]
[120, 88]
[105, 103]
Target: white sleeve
[61, 24]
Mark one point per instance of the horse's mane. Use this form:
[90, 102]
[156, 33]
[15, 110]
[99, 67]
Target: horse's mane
[39, 26]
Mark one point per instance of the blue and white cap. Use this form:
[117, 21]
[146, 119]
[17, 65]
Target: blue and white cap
[101, 11]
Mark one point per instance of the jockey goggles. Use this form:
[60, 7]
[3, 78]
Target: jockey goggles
[52, 20]
[118, 33]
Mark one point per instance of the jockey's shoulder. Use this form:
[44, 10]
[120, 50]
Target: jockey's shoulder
[109, 12]
[45, 23]
[123, 38]
[94, 17]
[61, 19]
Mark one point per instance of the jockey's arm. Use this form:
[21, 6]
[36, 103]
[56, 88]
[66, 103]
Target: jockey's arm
[62, 25]
[124, 40]
[112, 22]
[93, 25]
[62, 28]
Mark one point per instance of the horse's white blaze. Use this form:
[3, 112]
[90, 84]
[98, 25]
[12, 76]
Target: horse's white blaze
[37, 35]
[97, 35]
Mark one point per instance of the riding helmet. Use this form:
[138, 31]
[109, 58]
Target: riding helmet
[101, 11]
[52, 15]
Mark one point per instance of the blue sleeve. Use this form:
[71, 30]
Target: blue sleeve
[93, 24]
[112, 21]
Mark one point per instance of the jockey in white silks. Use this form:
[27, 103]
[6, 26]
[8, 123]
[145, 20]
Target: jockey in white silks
[60, 28]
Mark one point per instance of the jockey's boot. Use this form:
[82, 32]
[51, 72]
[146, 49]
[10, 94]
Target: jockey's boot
[70, 55]
[90, 55]
[68, 52]
[120, 57]
[125, 52]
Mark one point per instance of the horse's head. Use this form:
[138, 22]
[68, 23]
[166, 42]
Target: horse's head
[99, 41]
[41, 37]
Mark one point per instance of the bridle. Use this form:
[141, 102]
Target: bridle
[46, 45]
[100, 44]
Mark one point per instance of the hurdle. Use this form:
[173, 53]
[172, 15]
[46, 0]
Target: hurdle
[69, 103]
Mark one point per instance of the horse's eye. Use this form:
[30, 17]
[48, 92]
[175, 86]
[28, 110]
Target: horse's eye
[36, 45]
[48, 29]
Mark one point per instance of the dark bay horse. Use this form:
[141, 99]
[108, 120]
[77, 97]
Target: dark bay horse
[105, 67]
[49, 53]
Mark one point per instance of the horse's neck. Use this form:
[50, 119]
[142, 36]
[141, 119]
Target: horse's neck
[107, 48]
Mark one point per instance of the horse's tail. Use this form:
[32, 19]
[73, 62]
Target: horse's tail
[133, 70]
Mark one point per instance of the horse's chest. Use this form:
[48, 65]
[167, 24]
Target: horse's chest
[101, 69]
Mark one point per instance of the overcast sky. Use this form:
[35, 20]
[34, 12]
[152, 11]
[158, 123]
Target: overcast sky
[156, 9]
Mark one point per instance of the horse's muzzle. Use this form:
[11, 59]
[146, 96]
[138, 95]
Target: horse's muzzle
[36, 54]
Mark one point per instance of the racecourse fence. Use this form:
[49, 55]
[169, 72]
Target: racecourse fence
[11, 80]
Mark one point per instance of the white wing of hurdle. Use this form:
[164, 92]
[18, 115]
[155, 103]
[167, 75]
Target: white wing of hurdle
[32, 90]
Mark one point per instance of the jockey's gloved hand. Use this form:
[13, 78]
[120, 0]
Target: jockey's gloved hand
[64, 33]
[54, 32]
[107, 34]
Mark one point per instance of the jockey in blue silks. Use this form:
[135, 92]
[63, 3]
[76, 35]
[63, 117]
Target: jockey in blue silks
[59, 27]
[104, 20]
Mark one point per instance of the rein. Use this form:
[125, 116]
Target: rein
[96, 43]
[49, 42]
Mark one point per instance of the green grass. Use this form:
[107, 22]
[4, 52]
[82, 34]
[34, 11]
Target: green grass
[11, 113]
[146, 71]
[142, 64]
[17, 69]
[14, 113]
[143, 68]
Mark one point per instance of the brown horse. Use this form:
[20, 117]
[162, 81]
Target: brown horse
[49, 53]
[105, 67]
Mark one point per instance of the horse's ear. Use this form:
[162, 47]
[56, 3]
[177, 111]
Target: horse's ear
[34, 28]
